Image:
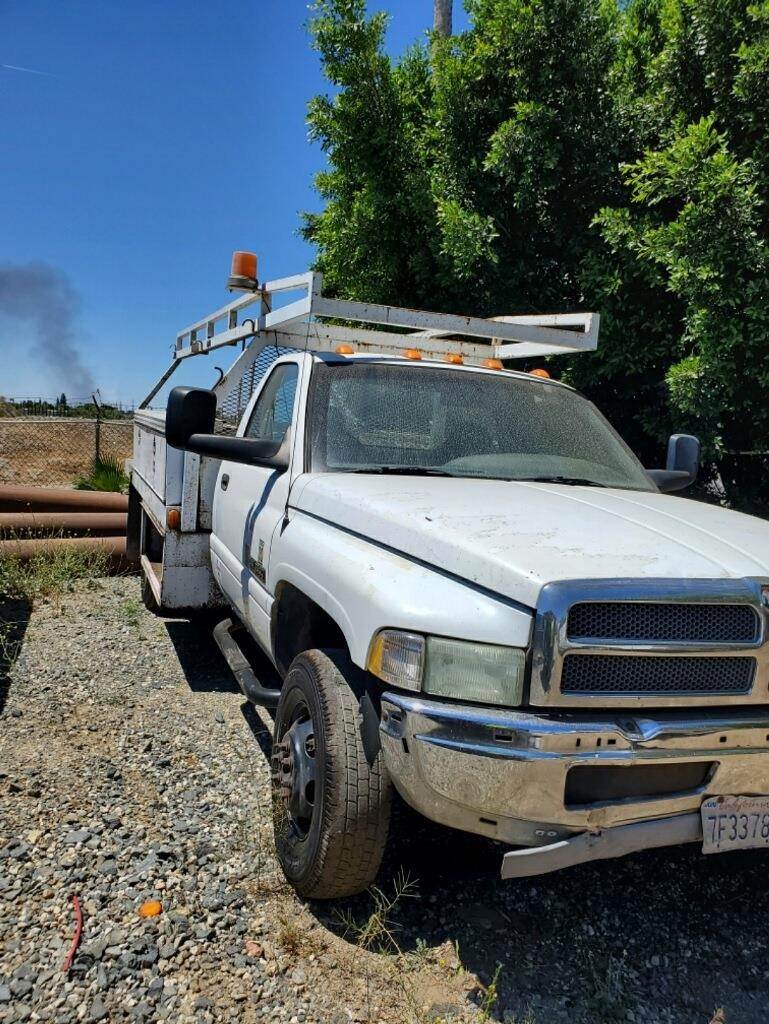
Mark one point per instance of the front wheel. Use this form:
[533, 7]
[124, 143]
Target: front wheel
[331, 798]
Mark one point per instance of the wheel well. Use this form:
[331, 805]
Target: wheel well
[299, 624]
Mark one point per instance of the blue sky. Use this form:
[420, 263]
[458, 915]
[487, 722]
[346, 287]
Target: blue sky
[160, 137]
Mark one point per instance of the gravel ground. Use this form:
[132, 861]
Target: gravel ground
[131, 770]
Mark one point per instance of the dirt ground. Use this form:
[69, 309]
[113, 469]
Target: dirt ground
[132, 770]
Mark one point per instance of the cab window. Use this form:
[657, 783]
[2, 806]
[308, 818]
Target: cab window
[272, 414]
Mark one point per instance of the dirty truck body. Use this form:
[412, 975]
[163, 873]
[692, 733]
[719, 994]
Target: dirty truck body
[469, 588]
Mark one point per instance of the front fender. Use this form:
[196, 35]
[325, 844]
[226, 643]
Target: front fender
[365, 587]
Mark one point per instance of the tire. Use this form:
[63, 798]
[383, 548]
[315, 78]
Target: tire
[332, 844]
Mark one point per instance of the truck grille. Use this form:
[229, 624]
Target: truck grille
[624, 675]
[663, 622]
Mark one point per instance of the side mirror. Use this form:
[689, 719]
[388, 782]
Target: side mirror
[682, 464]
[189, 411]
[190, 418]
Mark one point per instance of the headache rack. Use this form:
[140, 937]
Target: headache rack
[316, 323]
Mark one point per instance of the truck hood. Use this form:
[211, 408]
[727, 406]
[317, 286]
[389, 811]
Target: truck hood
[514, 537]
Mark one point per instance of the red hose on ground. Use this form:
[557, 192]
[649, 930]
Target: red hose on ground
[76, 937]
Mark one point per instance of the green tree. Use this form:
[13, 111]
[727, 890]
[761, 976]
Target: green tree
[692, 82]
[568, 154]
[466, 175]
[376, 235]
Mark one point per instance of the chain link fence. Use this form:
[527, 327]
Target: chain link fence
[236, 398]
[52, 451]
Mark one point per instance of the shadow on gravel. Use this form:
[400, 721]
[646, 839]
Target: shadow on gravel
[201, 660]
[261, 729]
[664, 936]
[14, 618]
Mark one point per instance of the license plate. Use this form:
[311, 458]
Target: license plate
[735, 823]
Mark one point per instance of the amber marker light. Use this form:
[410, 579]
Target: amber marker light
[174, 519]
[344, 350]
[540, 373]
[493, 364]
[412, 353]
[243, 271]
[455, 359]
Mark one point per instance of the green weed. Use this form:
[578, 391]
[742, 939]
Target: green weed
[377, 931]
[50, 573]
[613, 990]
[10, 644]
[132, 610]
[490, 995]
[107, 474]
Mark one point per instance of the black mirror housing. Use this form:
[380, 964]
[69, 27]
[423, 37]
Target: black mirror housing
[189, 411]
[684, 455]
[682, 463]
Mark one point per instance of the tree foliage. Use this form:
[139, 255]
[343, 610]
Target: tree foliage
[568, 154]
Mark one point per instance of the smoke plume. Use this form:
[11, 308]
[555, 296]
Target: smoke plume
[42, 295]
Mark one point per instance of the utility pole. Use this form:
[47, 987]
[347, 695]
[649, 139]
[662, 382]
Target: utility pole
[442, 17]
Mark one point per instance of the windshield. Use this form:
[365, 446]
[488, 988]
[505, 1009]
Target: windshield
[395, 418]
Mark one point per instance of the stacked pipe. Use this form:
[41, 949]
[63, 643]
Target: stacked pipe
[35, 519]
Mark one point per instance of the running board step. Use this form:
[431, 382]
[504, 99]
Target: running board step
[265, 696]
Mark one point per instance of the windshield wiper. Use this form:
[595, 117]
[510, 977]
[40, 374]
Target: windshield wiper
[574, 481]
[402, 470]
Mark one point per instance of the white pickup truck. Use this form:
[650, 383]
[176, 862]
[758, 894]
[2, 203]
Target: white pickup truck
[470, 588]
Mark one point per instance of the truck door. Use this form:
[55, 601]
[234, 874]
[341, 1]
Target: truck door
[250, 503]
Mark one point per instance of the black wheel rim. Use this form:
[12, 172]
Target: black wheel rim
[293, 770]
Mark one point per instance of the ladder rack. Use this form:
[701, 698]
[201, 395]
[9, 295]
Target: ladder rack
[303, 324]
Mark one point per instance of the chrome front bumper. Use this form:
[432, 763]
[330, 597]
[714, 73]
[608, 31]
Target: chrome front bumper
[503, 773]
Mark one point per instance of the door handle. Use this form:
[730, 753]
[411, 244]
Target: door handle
[225, 480]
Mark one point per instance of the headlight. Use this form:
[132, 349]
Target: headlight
[449, 668]
[467, 671]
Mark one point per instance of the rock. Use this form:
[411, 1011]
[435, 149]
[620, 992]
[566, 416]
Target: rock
[440, 1013]
[97, 1011]
[149, 956]
[80, 835]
